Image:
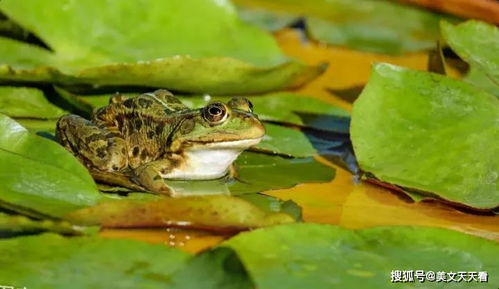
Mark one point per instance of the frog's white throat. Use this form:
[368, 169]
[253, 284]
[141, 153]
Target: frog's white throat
[209, 161]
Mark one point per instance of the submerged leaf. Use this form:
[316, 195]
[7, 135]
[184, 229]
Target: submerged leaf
[222, 213]
[324, 256]
[428, 132]
[52, 261]
[40, 175]
[164, 51]
[26, 102]
[273, 204]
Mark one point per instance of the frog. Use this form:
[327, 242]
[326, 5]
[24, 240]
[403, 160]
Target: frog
[138, 142]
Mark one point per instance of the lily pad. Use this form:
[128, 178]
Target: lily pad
[260, 172]
[164, 51]
[27, 103]
[290, 108]
[370, 25]
[39, 126]
[271, 21]
[430, 133]
[215, 269]
[482, 80]
[52, 261]
[285, 141]
[477, 43]
[218, 213]
[40, 175]
[324, 256]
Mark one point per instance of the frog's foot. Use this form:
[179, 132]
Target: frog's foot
[149, 177]
[96, 147]
[232, 172]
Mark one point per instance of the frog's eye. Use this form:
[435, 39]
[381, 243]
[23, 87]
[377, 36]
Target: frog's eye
[241, 103]
[215, 112]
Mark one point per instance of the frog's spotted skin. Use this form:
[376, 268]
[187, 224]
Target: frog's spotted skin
[136, 142]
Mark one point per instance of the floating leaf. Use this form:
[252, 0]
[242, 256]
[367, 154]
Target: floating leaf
[265, 19]
[222, 213]
[164, 51]
[285, 141]
[40, 175]
[215, 75]
[259, 172]
[482, 80]
[38, 125]
[324, 256]
[477, 43]
[219, 268]
[26, 102]
[52, 261]
[369, 25]
[290, 108]
[428, 132]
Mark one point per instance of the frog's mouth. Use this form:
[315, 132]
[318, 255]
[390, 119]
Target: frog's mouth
[236, 144]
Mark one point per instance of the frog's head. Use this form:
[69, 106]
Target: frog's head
[211, 138]
[219, 125]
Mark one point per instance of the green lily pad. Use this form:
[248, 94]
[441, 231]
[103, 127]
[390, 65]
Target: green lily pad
[132, 39]
[164, 51]
[52, 261]
[482, 80]
[271, 21]
[12, 225]
[370, 25]
[436, 135]
[324, 256]
[215, 269]
[39, 174]
[26, 102]
[260, 172]
[477, 43]
[285, 141]
[38, 125]
[223, 213]
[289, 108]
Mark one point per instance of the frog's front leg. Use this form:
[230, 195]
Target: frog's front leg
[149, 176]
